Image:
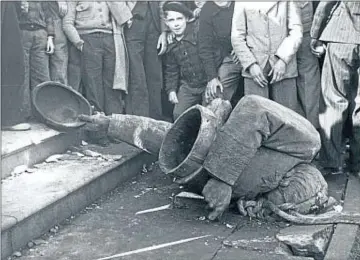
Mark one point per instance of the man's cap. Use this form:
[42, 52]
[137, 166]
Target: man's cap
[177, 7]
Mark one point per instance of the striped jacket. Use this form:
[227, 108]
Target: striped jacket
[337, 22]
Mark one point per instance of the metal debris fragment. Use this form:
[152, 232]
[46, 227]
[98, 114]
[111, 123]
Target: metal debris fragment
[150, 248]
[19, 169]
[189, 195]
[168, 206]
[90, 153]
[54, 158]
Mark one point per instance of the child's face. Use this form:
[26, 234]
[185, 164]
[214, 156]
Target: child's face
[176, 22]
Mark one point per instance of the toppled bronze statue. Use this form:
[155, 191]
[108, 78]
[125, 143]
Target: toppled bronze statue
[261, 152]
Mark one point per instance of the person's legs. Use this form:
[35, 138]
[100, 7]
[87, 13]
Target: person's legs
[137, 99]
[92, 69]
[308, 82]
[59, 60]
[113, 98]
[27, 41]
[39, 60]
[338, 72]
[252, 88]
[187, 98]
[153, 70]
[74, 68]
[284, 92]
[230, 77]
[355, 116]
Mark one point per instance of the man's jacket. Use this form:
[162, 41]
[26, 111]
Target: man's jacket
[263, 33]
[337, 22]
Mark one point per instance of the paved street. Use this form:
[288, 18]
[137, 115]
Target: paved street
[110, 227]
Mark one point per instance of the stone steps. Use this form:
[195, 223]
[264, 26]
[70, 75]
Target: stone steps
[33, 203]
[33, 146]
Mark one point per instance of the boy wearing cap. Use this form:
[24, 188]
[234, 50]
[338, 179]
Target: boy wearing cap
[185, 78]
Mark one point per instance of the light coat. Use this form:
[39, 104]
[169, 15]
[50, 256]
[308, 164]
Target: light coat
[264, 32]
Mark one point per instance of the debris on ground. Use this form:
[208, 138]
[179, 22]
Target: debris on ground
[83, 143]
[17, 254]
[168, 206]
[154, 247]
[266, 244]
[54, 158]
[19, 169]
[309, 241]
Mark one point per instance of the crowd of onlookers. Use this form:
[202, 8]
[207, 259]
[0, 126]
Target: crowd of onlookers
[125, 57]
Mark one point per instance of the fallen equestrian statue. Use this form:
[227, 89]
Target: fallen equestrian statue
[259, 155]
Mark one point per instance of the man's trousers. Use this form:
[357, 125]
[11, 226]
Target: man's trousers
[36, 63]
[308, 81]
[145, 78]
[341, 98]
[58, 62]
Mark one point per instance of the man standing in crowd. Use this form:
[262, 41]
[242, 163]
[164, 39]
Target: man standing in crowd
[145, 40]
[265, 37]
[37, 30]
[338, 25]
[92, 28]
[215, 49]
[308, 81]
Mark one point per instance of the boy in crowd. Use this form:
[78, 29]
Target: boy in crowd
[265, 37]
[37, 32]
[215, 49]
[185, 78]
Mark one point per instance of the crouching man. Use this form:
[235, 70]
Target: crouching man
[263, 150]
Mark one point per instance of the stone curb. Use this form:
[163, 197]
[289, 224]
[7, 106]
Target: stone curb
[16, 233]
[345, 234]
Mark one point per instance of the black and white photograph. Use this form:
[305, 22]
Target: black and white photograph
[180, 130]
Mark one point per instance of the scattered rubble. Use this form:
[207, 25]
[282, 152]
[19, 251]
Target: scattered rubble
[17, 254]
[168, 206]
[309, 241]
[19, 169]
[54, 158]
[266, 245]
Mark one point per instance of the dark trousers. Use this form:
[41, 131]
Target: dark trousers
[74, 68]
[187, 97]
[283, 92]
[36, 63]
[59, 60]
[145, 79]
[231, 79]
[341, 101]
[308, 82]
[98, 68]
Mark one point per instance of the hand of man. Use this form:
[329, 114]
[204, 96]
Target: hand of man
[277, 71]
[235, 57]
[257, 74]
[50, 47]
[173, 97]
[162, 43]
[129, 23]
[317, 47]
[95, 123]
[218, 195]
[211, 89]
[196, 13]
[63, 8]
